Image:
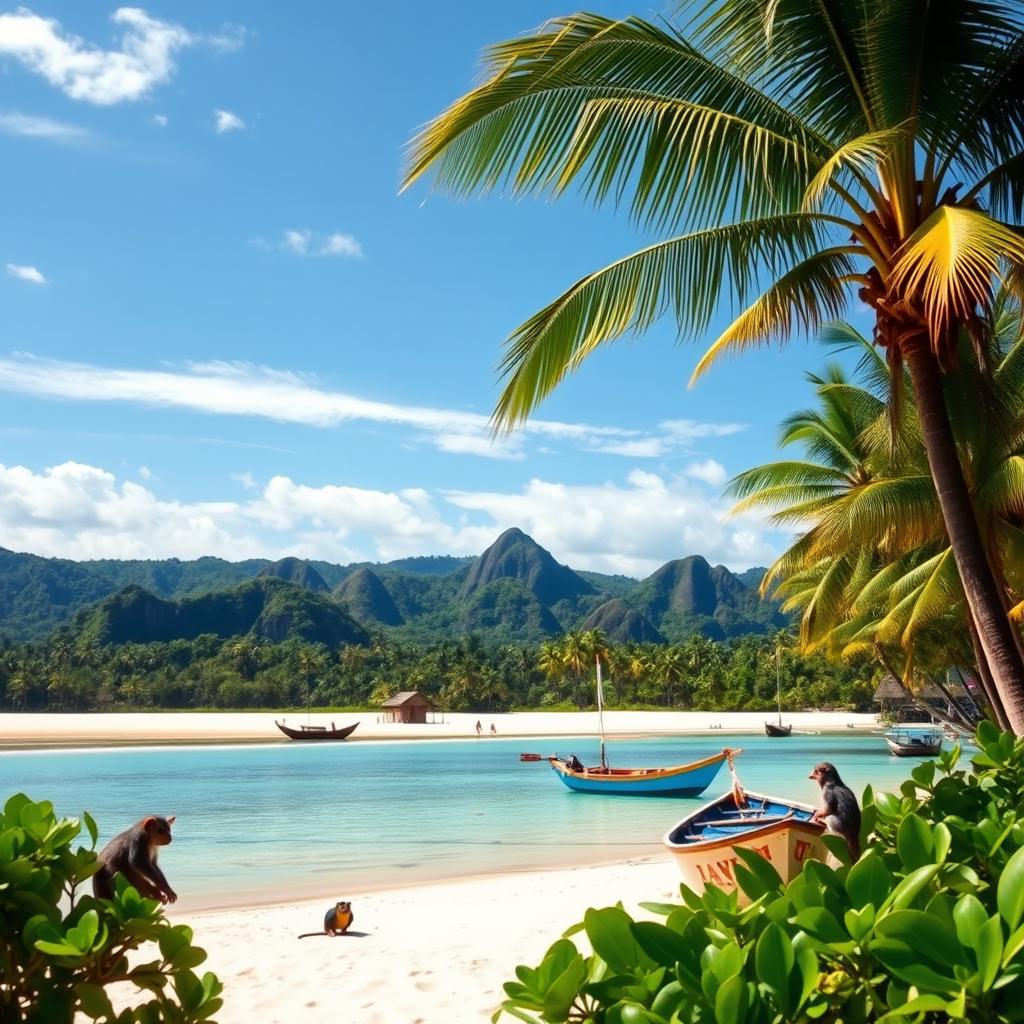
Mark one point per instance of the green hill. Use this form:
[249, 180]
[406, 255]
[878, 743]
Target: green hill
[622, 623]
[268, 608]
[367, 599]
[297, 571]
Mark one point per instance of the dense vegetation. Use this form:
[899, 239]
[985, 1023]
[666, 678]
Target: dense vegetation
[60, 948]
[928, 925]
[464, 674]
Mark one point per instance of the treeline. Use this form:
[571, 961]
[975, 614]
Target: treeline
[459, 675]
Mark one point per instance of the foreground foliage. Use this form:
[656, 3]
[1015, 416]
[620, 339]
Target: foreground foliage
[927, 925]
[59, 949]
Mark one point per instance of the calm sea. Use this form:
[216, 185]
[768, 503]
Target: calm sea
[276, 821]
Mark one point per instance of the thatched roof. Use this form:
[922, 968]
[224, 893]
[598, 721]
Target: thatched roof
[406, 697]
[889, 691]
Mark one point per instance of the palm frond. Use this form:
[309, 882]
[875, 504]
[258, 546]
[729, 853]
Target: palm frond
[798, 301]
[685, 274]
[862, 154]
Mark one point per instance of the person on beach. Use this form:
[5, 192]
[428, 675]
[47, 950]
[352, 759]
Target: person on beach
[494, 731]
[479, 729]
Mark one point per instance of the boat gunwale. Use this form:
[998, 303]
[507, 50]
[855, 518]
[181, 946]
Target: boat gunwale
[817, 827]
[649, 773]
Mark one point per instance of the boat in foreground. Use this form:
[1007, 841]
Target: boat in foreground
[914, 740]
[703, 844]
[679, 780]
[316, 732]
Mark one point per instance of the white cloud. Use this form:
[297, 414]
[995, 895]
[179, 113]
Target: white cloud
[241, 389]
[711, 472]
[226, 121]
[84, 72]
[31, 274]
[339, 244]
[297, 240]
[146, 473]
[247, 480]
[304, 242]
[30, 126]
[82, 511]
[686, 431]
[160, 120]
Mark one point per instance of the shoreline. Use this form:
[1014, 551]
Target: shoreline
[23, 732]
[430, 954]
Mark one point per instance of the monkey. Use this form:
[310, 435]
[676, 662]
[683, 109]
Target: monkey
[337, 920]
[133, 854]
[839, 811]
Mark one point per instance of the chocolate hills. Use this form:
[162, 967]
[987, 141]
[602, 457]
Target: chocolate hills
[515, 591]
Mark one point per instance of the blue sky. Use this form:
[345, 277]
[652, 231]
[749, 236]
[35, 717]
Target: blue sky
[226, 332]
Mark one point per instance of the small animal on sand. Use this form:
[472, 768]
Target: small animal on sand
[133, 854]
[337, 920]
[839, 811]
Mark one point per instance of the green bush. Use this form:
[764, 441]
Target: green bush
[927, 926]
[59, 949]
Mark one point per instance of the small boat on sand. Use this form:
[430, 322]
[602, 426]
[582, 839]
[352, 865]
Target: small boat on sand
[316, 732]
[771, 728]
[914, 740]
[679, 780]
[703, 844]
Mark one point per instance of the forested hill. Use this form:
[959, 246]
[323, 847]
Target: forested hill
[515, 591]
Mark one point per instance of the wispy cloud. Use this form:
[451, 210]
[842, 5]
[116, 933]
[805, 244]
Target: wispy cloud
[630, 527]
[96, 75]
[226, 121]
[242, 389]
[304, 242]
[31, 274]
[15, 123]
[160, 120]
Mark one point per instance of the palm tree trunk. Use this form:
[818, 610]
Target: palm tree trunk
[995, 631]
[988, 687]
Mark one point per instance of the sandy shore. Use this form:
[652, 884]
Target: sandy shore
[435, 954]
[37, 730]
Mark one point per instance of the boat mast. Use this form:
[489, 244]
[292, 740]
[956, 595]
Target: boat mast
[600, 708]
[778, 682]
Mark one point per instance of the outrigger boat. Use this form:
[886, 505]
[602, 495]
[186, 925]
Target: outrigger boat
[703, 844]
[914, 740]
[316, 732]
[679, 780]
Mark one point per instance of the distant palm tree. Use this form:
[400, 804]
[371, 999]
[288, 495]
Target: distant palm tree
[801, 151]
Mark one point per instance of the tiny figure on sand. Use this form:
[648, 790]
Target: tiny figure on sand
[479, 729]
[494, 731]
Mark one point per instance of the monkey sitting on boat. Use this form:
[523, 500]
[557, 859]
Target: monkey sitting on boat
[839, 811]
[133, 854]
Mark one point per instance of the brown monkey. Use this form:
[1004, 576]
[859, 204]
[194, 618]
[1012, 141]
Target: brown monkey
[133, 854]
[839, 811]
[339, 918]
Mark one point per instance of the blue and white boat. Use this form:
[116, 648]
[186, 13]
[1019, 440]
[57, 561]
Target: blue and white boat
[678, 780]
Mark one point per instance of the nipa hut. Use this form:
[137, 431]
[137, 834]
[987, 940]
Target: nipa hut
[409, 707]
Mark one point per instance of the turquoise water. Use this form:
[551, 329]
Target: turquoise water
[269, 822]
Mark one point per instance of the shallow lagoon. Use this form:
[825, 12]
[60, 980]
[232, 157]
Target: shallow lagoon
[275, 821]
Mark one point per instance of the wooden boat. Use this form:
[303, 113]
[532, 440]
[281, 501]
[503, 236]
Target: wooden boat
[770, 728]
[679, 780]
[703, 844]
[316, 732]
[914, 740]
[530, 757]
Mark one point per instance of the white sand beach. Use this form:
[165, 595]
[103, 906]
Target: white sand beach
[39, 730]
[435, 954]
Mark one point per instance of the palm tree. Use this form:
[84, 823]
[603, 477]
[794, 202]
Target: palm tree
[671, 665]
[799, 151]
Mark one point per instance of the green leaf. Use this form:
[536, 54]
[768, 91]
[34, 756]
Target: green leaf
[869, 880]
[611, 935]
[757, 876]
[663, 945]
[1010, 894]
[820, 923]
[90, 825]
[774, 959]
[914, 842]
[93, 1000]
[563, 990]
[989, 950]
[731, 1001]
[968, 917]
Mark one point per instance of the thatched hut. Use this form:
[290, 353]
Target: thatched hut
[409, 707]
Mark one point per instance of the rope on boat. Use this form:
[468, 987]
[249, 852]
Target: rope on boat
[739, 795]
